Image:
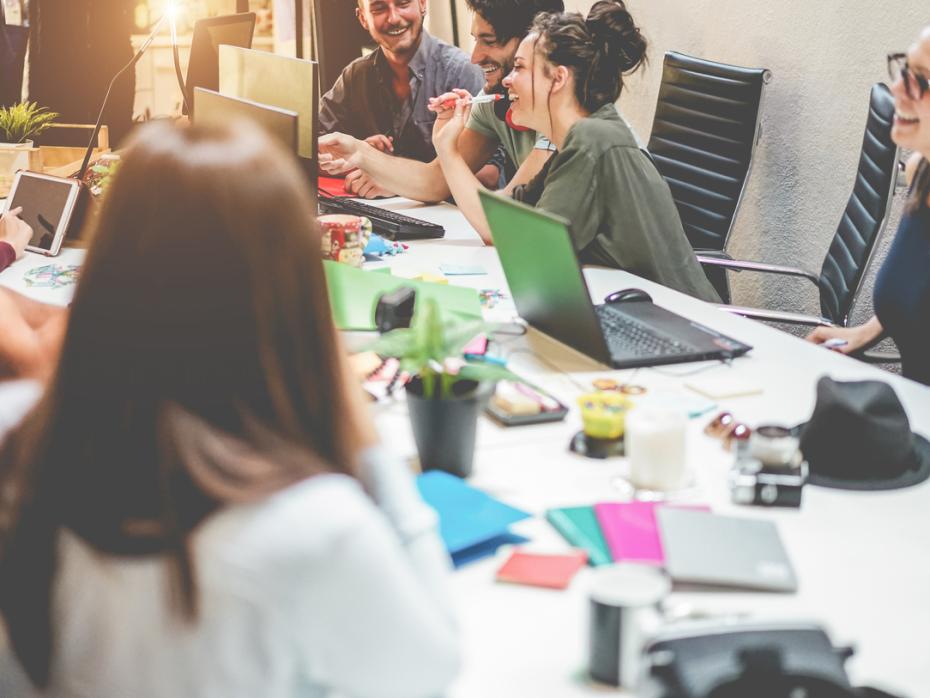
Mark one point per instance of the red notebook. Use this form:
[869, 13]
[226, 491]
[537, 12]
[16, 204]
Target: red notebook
[334, 186]
[541, 570]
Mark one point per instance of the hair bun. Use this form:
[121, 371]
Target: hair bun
[615, 35]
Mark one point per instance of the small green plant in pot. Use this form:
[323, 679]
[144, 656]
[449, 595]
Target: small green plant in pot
[446, 393]
[18, 124]
[22, 122]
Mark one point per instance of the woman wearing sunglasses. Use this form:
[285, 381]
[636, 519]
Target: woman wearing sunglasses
[902, 288]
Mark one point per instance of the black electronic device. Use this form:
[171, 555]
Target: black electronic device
[550, 292]
[203, 70]
[741, 659]
[50, 205]
[395, 309]
[338, 38]
[627, 295]
[388, 224]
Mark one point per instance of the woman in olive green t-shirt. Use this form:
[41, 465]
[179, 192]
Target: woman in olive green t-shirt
[567, 75]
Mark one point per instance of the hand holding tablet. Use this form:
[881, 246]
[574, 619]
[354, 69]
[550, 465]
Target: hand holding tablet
[46, 204]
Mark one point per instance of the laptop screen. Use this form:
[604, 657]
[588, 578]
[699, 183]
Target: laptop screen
[543, 273]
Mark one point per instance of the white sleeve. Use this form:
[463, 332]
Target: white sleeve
[391, 485]
[369, 626]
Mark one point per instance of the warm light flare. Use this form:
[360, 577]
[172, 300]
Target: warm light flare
[173, 11]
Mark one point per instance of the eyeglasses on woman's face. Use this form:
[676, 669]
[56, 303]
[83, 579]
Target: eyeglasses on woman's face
[914, 85]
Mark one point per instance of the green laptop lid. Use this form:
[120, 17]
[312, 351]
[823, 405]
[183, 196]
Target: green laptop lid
[543, 273]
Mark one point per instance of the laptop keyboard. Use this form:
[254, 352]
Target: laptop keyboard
[628, 336]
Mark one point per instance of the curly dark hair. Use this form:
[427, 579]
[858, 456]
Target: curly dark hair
[598, 49]
[512, 18]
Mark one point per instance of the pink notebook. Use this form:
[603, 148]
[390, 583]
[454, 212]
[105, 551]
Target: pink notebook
[631, 531]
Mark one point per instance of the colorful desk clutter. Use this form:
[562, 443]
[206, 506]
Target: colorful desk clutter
[693, 545]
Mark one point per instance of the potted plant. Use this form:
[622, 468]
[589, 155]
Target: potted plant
[19, 124]
[446, 392]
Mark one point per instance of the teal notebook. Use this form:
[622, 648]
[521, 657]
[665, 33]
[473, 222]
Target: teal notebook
[579, 526]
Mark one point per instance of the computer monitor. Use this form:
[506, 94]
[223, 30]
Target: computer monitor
[338, 38]
[203, 70]
[213, 108]
[279, 81]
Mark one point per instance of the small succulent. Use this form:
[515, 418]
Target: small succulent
[431, 348]
[24, 121]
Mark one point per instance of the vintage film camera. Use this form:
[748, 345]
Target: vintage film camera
[769, 470]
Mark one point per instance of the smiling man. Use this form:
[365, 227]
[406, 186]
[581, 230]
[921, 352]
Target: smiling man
[382, 98]
[497, 28]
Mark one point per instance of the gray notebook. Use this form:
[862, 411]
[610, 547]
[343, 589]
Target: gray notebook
[705, 548]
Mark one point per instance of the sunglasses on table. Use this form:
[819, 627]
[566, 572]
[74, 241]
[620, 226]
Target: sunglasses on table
[728, 429]
[915, 85]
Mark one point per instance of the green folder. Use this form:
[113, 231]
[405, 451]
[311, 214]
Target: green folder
[579, 526]
[353, 294]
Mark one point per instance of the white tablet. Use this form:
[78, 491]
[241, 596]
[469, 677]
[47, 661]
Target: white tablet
[48, 207]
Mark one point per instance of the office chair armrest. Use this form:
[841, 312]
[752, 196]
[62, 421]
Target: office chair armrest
[777, 316]
[740, 265]
[712, 254]
[878, 357]
[866, 354]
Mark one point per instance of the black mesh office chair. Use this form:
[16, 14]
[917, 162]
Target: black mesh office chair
[866, 214]
[704, 132]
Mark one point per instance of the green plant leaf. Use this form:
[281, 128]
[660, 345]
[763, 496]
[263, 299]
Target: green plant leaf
[21, 122]
[429, 342]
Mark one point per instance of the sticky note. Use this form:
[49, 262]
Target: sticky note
[542, 570]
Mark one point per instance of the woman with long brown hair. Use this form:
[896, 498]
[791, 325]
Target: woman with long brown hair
[902, 287]
[196, 506]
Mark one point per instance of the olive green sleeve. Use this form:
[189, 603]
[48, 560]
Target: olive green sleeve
[571, 191]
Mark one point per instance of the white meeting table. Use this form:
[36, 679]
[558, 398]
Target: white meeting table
[862, 558]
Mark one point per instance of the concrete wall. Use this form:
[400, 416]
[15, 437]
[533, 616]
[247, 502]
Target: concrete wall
[824, 57]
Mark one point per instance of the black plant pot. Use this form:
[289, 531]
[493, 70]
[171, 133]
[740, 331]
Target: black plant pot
[444, 429]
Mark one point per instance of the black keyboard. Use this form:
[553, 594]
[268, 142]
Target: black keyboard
[388, 224]
[628, 336]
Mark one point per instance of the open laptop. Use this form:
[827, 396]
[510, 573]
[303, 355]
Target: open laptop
[550, 293]
[213, 108]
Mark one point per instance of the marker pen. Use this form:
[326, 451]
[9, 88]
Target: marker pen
[480, 99]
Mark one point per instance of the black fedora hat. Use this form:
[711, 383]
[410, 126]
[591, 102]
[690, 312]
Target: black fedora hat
[859, 438]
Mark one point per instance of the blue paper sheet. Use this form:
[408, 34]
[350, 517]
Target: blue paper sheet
[472, 523]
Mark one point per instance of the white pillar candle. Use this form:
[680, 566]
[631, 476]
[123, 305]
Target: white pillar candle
[655, 444]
